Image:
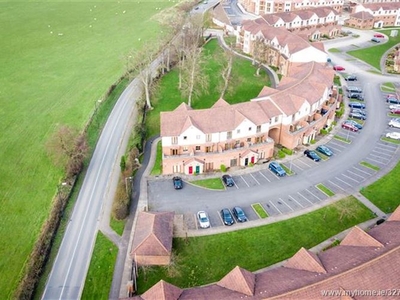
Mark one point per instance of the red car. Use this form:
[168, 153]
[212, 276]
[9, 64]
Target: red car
[339, 68]
[350, 127]
[379, 35]
[395, 111]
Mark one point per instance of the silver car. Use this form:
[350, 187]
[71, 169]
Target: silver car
[203, 219]
[395, 123]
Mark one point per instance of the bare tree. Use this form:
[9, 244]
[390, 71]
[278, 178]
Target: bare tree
[260, 50]
[227, 63]
[69, 148]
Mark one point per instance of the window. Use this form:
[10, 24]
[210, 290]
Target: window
[185, 137]
[197, 148]
[185, 149]
[276, 120]
[258, 128]
[249, 128]
[229, 135]
[208, 149]
[174, 140]
[174, 151]
[198, 137]
[238, 131]
[208, 137]
[249, 140]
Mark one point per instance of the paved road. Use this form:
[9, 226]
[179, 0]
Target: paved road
[343, 173]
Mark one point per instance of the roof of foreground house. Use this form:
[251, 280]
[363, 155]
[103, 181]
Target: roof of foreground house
[363, 261]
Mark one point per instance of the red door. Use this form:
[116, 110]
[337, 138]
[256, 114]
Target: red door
[252, 159]
[190, 170]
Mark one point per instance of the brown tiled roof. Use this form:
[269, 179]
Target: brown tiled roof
[162, 291]
[362, 15]
[239, 280]
[153, 234]
[305, 260]
[382, 5]
[358, 237]
[395, 216]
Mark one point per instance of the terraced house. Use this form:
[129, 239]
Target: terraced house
[260, 7]
[197, 141]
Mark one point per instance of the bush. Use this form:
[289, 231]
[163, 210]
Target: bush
[313, 142]
[323, 132]
[281, 154]
[287, 151]
[223, 168]
[120, 207]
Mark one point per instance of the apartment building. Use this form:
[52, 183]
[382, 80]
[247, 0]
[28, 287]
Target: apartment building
[261, 7]
[374, 15]
[197, 141]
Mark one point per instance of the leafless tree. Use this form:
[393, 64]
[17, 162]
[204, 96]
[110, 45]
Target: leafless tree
[227, 63]
[260, 51]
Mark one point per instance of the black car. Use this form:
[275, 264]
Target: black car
[276, 168]
[393, 100]
[357, 96]
[227, 217]
[357, 116]
[312, 154]
[351, 78]
[178, 183]
[228, 180]
[357, 105]
[239, 214]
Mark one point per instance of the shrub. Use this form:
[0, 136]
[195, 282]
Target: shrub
[313, 142]
[122, 163]
[223, 168]
[281, 154]
[287, 151]
[323, 131]
[120, 209]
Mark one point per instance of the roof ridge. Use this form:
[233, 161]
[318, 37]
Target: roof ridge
[306, 260]
[358, 237]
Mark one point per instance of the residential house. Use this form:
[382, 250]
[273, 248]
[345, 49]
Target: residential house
[261, 7]
[197, 141]
[374, 15]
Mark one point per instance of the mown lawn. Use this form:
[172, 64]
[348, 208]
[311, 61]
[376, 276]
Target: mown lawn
[244, 85]
[57, 60]
[206, 259]
[385, 192]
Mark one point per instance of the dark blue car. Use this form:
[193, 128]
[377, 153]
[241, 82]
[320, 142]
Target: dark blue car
[357, 105]
[324, 150]
[312, 154]
[276, 168]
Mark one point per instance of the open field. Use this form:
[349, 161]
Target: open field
[206, 259]
[57, 60]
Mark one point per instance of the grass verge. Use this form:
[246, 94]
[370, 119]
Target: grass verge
[194, 264]
[342, 139]
[325, 190]
[210, 183]
[100, 274]
[370, 166]
[157, 168]
[260, 211]
[384, 192]
[386, 139]
[287, 170]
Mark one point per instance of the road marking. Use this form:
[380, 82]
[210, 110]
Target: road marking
[314, 195]
[254, 179]
[378, 156]
[286, 204]
[356, 174]
[275, 207]
[297, 166]
[365, 172]
[264, 176]
[376, 161]
[305, 198]
[296, 201]
[299, 160]
[350, 178]
[343, 181]
[331, 182]
[244, 181]
[390, 146]
[380, 152]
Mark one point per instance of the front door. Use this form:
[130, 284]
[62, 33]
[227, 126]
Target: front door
[197, 169]
[246, 161]
[252, 159]
[190, 170]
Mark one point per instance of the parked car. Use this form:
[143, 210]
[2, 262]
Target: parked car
[349, 126]
[392, 99]
[395, 111]
[204, 221]
[394, 106]
[395, 123]
[228, 180]
[353, 89]
[357, 116]
[357, 96]
[239, 214]
[178, 183]
[276, 168]
[375, 40]
[358, 111]
[393, 135]
[379, 35]
[312, 154]
[338, 68]
[351, 78]
[357, 105]
[324, 150]
[227, 217]
[354, 123]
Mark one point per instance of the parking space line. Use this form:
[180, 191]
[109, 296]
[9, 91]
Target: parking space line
[391, 146]
[378, 161]
[350, 178]
[338, 186]
[378, 156]
[296, 201]
[297, 166]
[299, 160]
[356, 174]
[343, 182]
[275, 207]
[305, 198]
[264, 176]
[286, 204]
[244, 181]
[195, 219]
[362, 171]
[254, 179]
[383, 149]
[313, 195]
[380, 152]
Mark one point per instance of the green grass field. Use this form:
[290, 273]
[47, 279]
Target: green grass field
[57, 59]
